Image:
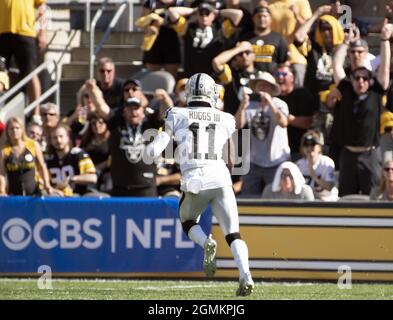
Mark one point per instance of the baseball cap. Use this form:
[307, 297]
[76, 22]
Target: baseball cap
[207, 6]
[359, 43]
[135, 82]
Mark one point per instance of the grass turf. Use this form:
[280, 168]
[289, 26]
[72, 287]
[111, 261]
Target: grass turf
[20, 289]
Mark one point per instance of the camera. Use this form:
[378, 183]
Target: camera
[254, 97]
[3, 64]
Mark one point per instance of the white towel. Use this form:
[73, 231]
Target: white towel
[298, 178]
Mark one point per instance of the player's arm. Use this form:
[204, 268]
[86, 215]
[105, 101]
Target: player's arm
[158, 145]
[229, 154]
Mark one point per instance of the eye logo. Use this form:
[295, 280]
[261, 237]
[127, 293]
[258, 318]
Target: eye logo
[16, 234]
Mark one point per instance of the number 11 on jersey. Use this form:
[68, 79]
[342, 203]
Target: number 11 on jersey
[211, 130]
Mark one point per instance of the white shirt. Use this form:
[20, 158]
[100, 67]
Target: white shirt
[324, 169]
[201, 133]
[273, 149]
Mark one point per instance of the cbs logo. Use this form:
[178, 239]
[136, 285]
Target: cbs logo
[16, 234]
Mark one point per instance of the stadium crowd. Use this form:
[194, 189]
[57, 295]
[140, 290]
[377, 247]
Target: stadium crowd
[317, 103]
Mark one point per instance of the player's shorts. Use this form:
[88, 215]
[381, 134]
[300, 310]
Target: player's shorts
[22, 48]
[223, 204]
[165, 50]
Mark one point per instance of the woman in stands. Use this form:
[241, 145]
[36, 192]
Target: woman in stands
[22, 167]
[96, 143]
[288, 184]
[385, 191]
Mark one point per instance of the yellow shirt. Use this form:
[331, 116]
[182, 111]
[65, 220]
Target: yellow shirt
[284, 23]
[18, 16]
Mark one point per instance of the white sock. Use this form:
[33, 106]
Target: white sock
[197, 235]
[240, 254]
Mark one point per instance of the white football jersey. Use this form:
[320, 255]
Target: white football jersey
[201, 133]
[324, 169]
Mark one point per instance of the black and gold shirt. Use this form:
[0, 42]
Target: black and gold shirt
[21, 170]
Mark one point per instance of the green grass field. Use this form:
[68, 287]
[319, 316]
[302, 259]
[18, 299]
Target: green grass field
[20, 289]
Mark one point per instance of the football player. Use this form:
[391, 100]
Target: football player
[202, 132]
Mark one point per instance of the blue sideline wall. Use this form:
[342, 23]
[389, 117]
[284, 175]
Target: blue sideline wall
[129, 237]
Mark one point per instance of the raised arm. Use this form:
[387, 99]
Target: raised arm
[302, 32]
[240, 116]
[235, 15]
[174, 13]
[384, 67]
[98, 99]
[224, 57]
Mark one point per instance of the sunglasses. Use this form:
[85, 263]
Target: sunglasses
[279, 74]
[388, 169]
[357, 51]
[364, 78]
[105, 70]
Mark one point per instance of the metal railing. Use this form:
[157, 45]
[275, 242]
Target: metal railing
[112, 24]
[28, 78]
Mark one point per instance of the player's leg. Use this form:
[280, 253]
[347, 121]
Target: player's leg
[191, 207]
[225, 210]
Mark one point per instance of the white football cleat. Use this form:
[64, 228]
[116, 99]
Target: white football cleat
[209, 259]
[246, 286]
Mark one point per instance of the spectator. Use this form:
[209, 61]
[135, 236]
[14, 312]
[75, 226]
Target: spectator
[35, 132]
[96, 143]
[270, 48]
[359, 55]
[77, 119]
[385, 190]
[22, 164]
[131, 176]
[360, 110]
[203, 39]
[301, 106]
[386, 131]
[71, 169]
[288, 184]
[50, 115]
[2, 128]
[317, 169]
[235, 75]
[4, 79]
[161, 47]
[267, 118]
[287, 17]
[132, 88]
[110, 85]
[168, 178]
[19, 38]
[245, 25]
[319, 74]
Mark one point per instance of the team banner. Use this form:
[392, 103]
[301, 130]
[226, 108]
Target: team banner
[96, 235]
